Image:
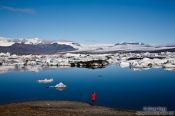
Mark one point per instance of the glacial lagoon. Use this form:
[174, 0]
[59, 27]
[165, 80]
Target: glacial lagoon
[115, 86]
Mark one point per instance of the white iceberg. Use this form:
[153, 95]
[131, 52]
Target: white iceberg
[45, 81]
[124, 64]
[168, 65]
[60, 85]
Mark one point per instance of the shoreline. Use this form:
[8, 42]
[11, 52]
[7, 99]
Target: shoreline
[61, 108]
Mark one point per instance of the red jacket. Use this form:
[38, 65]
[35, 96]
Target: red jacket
[93, 96]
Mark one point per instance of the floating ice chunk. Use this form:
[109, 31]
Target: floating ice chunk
[146, 60]
[157, 63]
[140, 69]
[144, 63]
[124, 64]
[45, 81]
[169, 65]
[60, 85]
[170, 69]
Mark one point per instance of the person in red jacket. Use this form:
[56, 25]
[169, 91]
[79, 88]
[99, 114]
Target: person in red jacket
[93, 98]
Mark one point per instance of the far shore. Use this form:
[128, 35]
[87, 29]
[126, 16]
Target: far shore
[60, 108]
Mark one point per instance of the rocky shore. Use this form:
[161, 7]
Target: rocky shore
[59, 108]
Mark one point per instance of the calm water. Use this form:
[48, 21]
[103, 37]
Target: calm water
[115, 86]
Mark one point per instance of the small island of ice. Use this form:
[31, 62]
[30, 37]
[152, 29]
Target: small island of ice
[45, 81]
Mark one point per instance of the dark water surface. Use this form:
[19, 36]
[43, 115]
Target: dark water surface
[115, 87]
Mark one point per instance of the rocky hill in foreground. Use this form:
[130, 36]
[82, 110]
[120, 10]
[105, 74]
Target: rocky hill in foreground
[60, 108]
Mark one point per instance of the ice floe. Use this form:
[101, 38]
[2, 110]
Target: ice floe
[131, 60]
[59, 86]
[124, 64]
[45, 81]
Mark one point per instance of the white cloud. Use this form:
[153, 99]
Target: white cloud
[15, 9]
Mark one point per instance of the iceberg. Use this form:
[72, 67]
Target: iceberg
[170, 69]
[124, 64]
[45, 81]
[60, 85]
[168, 65]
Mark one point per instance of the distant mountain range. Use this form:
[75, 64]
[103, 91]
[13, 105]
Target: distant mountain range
[33, 46]
[23, 49]
[130, 43]
[37, 46]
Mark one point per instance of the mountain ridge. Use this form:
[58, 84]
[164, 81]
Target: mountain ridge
[25, 49]
[38, 46]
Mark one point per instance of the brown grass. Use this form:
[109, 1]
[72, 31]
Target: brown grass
[59, 108]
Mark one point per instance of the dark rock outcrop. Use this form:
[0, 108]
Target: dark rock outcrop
[90, 64]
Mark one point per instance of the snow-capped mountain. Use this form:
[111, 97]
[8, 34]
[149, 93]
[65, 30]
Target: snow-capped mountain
[35, 45]
[130, 43]
[8, 41]
[32, 46]
[33, 41]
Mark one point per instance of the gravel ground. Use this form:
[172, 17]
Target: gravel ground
[59, 108]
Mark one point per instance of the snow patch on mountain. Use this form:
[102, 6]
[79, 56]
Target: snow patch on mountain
[70, 43]
[6, 41]
[33, 41]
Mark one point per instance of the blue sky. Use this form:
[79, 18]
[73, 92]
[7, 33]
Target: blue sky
[88, 21]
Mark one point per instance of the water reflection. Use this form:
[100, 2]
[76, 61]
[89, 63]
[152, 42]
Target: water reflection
[37, 68]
